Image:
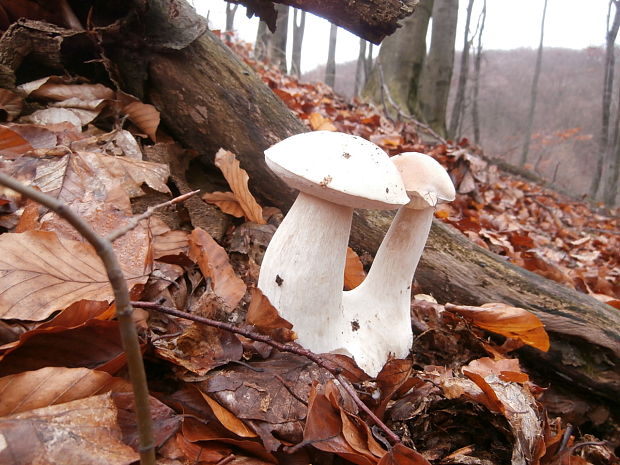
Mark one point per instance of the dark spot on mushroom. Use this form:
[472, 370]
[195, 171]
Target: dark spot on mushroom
[326, 180]
[355, 325]
[279, 280]
[387, 190]
[346, 155]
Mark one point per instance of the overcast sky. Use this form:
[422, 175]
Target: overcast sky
[510, 24]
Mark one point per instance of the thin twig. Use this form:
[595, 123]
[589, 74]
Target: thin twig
[129, 335]
[334, 369]
[133, 222]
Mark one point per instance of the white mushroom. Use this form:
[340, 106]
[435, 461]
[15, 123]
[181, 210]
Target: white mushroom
[377, 312]
[302, 272]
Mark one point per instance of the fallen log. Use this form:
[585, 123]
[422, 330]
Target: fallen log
[210, 99]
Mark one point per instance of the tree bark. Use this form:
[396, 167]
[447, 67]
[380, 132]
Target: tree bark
[459, 101]
[298, 37]
[401, 57]
[246, 117]
[330, 69]
[360, 76]
[436, 75]
[534, 92]
[475, 115]
[369, 19]
[230, 16]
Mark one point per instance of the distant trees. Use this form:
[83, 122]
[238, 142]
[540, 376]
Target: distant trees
[534, 92]
[417, 81]
[330, 69]
[230, 15]
[475, 114]
[272, 46]
[299, 27]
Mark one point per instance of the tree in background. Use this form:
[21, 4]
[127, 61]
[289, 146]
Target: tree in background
[262, 44]
[360, 69]
[607, 145]
[434, 84]
[330, 69]
[272, 46]
[475, 116]
[534, 92]
[230, 15]
[298, 37]
[459, 101]
[400, 60]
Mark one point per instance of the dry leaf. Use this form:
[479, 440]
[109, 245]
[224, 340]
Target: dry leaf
[213, 262]
[231, 422]
[82, 431]
[402, 455]
[266, 319]
[238, 181]
[11, 102]
[42, 273]
[56, 88]
[225, 201]
[353, 271]
[54, 385]
[319, 123]
[145, 117]
[12, 143]
[508, 321]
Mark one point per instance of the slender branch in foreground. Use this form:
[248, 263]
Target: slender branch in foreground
[288, 347]
[129, 336]
[133, 222]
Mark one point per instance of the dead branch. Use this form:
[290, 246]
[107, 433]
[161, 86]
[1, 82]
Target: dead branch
[289, 347]
[129, 336]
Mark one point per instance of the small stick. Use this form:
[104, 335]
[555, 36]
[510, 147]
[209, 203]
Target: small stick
[288, 347]
[133, 222]
[129, 335]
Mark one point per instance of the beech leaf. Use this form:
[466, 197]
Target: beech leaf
[12, 143]
[353, 271]
[225, 201]
[145, 117]
[230, 421]
[513, 322]
[238, 181]
[42, 273]
[213, 262]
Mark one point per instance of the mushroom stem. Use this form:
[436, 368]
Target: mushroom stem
[371, 336]
[305, 264]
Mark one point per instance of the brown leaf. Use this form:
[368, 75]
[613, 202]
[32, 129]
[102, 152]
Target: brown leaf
[54, 385]
[319, 123]
[11, 102]
[225, 201]
[238, 181]
[96, 344]
[43, 273]
[402, 455]
[145, 117]
[508, 321]
[506, 369]
[12, 143]
[491, 400]
[353, 271]
[230, 421]
[213, 262]
[266, 319]
[56, 88]
[81, 431]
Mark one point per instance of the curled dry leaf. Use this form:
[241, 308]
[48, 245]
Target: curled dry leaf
[402, 455]
[506, 369]
[42, 273]
[319, 123]
[513, 322]
[225, 201]
[213, 262]
[12, 143]
[57, 88]
[353, 270]
[237, 179]
[54, 385]
[230, 421]
[81, 431]
[11, 103]
[266, 319]
[145, 117]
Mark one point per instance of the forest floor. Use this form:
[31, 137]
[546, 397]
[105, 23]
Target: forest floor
[225, 398]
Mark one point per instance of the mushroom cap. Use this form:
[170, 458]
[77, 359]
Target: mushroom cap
[426, 181]
[340, 168]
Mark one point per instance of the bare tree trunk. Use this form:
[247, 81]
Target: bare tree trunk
[459, 101]
[230, 16]
[278, 44]
[608, 81]
[534, 93]
[360, 76]
[437, 72]
[262, 44]
[475, 115]
[368, 63]
[401, 58]
[612, 161]
[330, 69]
[298, 37]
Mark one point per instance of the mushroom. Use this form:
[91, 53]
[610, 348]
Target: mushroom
[302, 272]
[377, 313]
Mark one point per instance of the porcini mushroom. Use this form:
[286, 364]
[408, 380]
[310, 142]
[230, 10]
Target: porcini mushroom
[377, 321]
[302, 272]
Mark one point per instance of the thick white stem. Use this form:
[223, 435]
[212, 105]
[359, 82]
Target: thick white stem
[377, 313]
[302, 272]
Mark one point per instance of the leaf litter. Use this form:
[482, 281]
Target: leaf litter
[219, 397]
